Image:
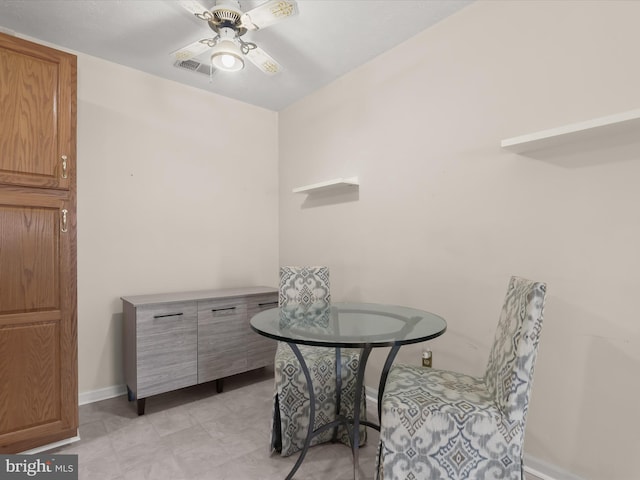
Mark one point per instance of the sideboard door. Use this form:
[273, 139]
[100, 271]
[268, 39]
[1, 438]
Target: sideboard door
[167, 347]
[261, 351]
[222, 349]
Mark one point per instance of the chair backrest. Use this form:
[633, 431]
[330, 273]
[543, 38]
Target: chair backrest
[512, 358]
[304, 286]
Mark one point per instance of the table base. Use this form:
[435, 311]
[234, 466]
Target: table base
[351, 424]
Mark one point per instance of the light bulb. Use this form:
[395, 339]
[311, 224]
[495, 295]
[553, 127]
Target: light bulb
[228, 60]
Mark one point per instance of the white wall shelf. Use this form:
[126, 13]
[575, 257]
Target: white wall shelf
[328, 185]
[575, 132]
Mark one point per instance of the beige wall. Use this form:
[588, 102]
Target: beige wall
[444, 216]
[177, 190]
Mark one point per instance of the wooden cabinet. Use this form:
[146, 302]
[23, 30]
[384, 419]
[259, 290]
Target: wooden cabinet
[180, 339]
[38, 331]
[37, 125]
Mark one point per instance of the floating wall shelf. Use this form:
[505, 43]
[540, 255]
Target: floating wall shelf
[581, 131]
[328, 185]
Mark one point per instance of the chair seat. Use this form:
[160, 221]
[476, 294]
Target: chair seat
[440, 424]
[291, 401]
[416, 389]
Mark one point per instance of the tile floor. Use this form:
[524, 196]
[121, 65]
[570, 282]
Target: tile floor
[197, 434]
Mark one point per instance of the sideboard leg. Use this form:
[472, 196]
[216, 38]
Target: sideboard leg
[219, 385]
[141, 402]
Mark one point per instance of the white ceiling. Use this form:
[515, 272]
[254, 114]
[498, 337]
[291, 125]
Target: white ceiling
[326, 40]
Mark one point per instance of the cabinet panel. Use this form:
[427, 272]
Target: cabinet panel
[29, 257]
[38, 345]
[35, 355]
[166, 348]
[221, 338]
[37, 125]
[261, 350]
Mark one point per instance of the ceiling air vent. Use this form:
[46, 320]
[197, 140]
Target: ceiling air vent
[193, 66]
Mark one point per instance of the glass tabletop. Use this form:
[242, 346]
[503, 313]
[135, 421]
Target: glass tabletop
[348, 324]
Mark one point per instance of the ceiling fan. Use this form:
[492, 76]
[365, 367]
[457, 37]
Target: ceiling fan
[230, 23]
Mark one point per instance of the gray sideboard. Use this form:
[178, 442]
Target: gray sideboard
[176, 340]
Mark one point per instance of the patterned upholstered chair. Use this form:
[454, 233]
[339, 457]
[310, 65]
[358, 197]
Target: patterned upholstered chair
[304, 293]
[438, 424]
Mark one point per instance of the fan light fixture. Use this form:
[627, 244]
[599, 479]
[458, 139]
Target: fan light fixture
[226, 54]
[230, 23]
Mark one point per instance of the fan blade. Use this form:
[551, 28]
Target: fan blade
[192, 50]
[269, 13]
[263, 61]
[193, 6]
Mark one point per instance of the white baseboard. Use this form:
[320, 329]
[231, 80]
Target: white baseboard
[545, 471]
[372, 394]
[53, 445]
[101, 394]
[533, 466]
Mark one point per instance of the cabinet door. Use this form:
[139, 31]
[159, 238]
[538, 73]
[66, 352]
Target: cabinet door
[261, 350]
[38, 346]
[166, 350]
[221, 338]
[37, 120]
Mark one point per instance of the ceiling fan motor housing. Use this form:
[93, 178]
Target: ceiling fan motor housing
[226, 14]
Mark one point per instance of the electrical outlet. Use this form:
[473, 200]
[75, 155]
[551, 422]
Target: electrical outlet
[427, 357]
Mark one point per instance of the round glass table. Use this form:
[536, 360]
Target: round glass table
[347, 325]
